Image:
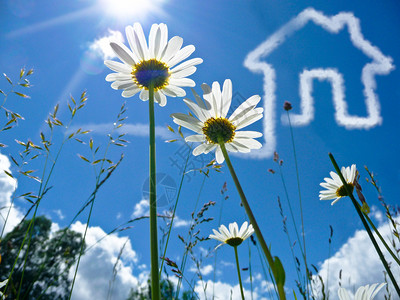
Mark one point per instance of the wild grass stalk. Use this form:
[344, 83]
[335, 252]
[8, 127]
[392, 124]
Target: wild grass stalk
[304, 251]
[101, 176]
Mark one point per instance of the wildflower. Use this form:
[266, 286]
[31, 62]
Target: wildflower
[334, 186]
[213, 127]
[233, 237]
[363, 293]
[153, 64]
[287, 106]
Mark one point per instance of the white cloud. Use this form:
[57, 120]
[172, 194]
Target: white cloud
[222, 290]
[358, 262]
[59, 214]
[7, 187]
[102, 47]
[141, 209]
[178, 222]
[138, 129]
[380, 65]
[96, 267]
[204, 270]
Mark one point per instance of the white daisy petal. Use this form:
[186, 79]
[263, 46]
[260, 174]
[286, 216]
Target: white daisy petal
[182, 54]
[140, 41]
[248, 134]
[154, 40]
[182, 82]
[241, 148]
[144, 95]
[183, 73]
[173, 46]
[189, 63]
[226, 97]
[245, 106]
[210, 147]
[118, 67]
[174, 91]
[195, 138]
[219, 156]
[198, 111]
[249, 143]
[121, 85]
[130, 92]
[217, 98]
[248, 119]
[187, 121]
[123, 53]
[118, 76]
[160, 98]
[130, 35]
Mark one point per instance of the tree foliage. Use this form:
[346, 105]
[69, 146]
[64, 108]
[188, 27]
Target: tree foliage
[44, 268]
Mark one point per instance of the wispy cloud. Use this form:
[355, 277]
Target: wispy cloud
[138, 129]
[380, 65]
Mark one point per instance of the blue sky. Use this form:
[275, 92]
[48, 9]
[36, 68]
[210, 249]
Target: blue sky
[58, 41]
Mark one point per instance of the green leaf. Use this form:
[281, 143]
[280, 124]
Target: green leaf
[30, 72]
[21, 95]
[22, 72]
[170, 129]
[8, 79]
[280, 271]
[8, 173]
[84, 158]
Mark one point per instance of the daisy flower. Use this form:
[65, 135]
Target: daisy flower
[334, 186]
[363, 293]
[212, 125]
[233, 237]
[155, 63]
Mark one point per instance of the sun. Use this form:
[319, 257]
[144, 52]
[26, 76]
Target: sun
[123, 9]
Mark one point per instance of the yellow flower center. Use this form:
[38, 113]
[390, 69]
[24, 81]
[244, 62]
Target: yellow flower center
[342, 192]
[149, 71]
[219, 128]
[234, 242]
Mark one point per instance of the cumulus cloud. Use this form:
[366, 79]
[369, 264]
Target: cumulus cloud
[204, 270]
[380, 65]
[223, 290]
[358, 263]
[102, 46]
[141, 209]
[96, 267]
[7, 187]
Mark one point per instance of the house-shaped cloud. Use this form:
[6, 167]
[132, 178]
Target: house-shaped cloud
[380, 65]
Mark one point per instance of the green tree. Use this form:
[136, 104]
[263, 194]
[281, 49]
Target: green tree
[49, 259]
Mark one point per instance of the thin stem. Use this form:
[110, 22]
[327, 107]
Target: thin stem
[279, 281]
[300, 202]
[155, 280]
[174, 212]
[238, 270]
[360, 214]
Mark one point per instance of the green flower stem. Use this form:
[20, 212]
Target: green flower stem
[360, 214]
[278, 274]
[155, 280]
[238, 270]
